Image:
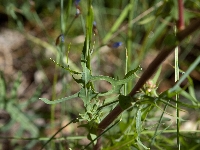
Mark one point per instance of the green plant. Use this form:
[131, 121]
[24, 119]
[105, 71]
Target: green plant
[132, 113]
[143, 98]
[15, 112]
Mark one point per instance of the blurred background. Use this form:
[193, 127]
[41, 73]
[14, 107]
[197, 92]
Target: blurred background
[28, 33]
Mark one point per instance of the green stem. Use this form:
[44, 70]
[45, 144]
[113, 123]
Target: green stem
[129, 41]
[177, 95]
[126, 70]
[59, 58]
[159, 123]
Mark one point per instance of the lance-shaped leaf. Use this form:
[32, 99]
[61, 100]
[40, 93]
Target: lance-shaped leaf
[60, 100]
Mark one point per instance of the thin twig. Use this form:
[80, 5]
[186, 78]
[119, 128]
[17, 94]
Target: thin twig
[53, 136]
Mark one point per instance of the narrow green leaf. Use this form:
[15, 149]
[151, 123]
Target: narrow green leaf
[165, 99]
[156, 76]
[130, 74]
[22, 119]
[186, 74]
[189, 97]
[86, 75]
[117, 23]
[158, 32]
[59, 100]
[141, 144]
[192, 89]
[147, 20]
[138, 121]
[66, 68]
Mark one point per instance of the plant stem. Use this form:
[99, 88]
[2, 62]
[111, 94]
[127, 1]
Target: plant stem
[181, 24]
[177, 95]
[126, 70]
[130, 34]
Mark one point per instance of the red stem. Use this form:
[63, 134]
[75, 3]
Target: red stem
[181, 24]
